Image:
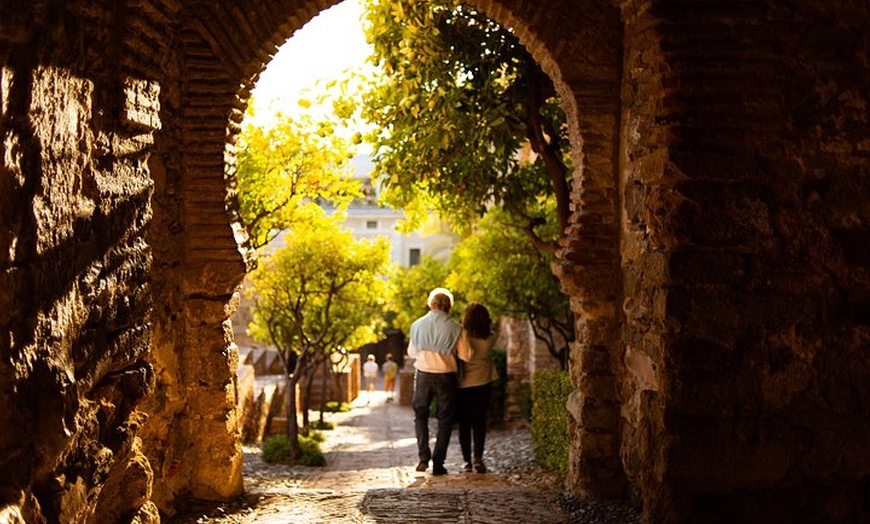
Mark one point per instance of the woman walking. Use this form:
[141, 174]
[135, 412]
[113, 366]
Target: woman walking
[475, 383]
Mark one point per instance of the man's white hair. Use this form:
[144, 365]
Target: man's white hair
[439, 291]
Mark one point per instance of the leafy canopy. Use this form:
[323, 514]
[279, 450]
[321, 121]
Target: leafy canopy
[498, 266]
[284, 169]
[322, 291]
[463, 117]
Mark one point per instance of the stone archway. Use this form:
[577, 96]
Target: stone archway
[716, 259]
[685, 189]
[223, 49]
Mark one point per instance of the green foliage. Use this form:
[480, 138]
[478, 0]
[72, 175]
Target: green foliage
[463, 117]
[285, 169]
[322, 291]
[550, 390]
[276, 450]
[497, 265]
[310, 453]
[325, 425]
[410, 287]
[337, 407]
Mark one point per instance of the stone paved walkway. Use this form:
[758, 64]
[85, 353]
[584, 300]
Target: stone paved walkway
[370, 478]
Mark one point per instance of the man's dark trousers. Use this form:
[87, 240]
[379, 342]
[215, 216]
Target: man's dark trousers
[441, 386]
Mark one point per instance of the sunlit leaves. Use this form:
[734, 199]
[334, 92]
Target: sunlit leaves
[283, 170]
[411, 287]
[497, 265]
[322, 290]
[450, 111]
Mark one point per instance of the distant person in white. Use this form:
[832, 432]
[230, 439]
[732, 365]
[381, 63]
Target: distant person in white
[370, 372]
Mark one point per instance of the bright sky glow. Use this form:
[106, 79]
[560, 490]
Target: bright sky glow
[330, 43]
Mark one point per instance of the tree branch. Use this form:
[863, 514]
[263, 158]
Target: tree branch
[546, 143]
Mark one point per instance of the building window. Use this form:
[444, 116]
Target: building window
[414, 257]
[371, 224]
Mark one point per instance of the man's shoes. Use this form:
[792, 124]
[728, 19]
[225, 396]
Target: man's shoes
[479, 466]
[439, 470]
[468, 468]
[422, 465]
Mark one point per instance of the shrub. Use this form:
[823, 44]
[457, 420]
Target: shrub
[309, 451]
[337, 407]
[326, 425]
[550, 390]
[276, 449]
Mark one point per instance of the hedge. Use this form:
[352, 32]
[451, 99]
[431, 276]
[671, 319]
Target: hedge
[550, 390]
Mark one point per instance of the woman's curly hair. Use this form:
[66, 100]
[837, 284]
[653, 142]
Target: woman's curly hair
[477, 321]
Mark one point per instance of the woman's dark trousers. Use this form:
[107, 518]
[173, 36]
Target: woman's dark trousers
[472, 407]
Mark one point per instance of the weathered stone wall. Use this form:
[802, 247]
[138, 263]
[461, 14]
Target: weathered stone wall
[194, 438]
[75, 293]
[103, 302]
[516, 337]
[579, 44]
[745, 203]
[525, 355]
[716, 259]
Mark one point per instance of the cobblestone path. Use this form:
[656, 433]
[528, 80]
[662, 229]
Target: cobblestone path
[370, 478]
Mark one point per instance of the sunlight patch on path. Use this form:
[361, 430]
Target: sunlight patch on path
[369, 477]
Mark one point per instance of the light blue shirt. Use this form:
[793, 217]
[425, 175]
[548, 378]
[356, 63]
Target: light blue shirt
[435, 331]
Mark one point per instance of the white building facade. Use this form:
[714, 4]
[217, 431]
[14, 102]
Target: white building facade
[366, 219]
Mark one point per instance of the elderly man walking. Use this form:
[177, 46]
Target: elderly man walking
[433, 345]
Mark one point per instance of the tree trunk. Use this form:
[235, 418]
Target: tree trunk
[323, 390]
[304, 399]
[292, 422]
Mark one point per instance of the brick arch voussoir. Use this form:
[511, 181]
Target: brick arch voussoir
[578, 44]
[226, 47]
